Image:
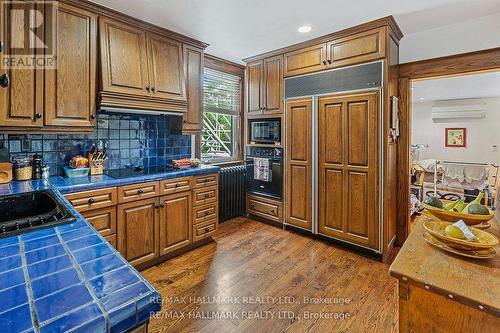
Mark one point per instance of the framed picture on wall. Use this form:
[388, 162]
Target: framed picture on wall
[455, 137]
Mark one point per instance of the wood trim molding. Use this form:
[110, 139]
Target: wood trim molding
[223, 65]
[388, 21]
[458, 64]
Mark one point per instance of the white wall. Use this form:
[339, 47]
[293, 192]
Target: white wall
[467, 36]
[482, 134]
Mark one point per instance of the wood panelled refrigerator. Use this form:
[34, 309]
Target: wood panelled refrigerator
[334, 154]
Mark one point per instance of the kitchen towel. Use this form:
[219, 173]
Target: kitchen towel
[262, 170]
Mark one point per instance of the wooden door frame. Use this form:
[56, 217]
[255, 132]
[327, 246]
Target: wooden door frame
[454, 65]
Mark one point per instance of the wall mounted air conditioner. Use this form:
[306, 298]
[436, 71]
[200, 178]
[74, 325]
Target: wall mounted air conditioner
[457, 112]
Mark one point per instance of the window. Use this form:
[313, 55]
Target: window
[221, 116]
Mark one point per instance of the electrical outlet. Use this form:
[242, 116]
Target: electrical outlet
[25, 145]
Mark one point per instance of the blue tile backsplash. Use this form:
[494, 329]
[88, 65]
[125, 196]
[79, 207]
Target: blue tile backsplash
[137, 140]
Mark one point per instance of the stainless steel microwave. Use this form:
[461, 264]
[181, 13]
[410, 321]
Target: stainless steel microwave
[265, 131]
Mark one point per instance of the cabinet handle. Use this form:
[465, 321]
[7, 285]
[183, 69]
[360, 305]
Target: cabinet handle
[1, 46]
[4, 81]
[207, 229]
[206, 195]
[329, 61]
[153, 90]
[273, 212]
[92, 116]
[148, 88]
[91, 201]
[140, 191]
[162, 205]
[207, 213]
[324, 62]
[38, 115]
[177, 185]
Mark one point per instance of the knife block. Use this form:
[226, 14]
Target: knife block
[5, 173]
[96, 168]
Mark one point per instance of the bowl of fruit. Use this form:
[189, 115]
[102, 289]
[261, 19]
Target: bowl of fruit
[472, 213]
[464, 238]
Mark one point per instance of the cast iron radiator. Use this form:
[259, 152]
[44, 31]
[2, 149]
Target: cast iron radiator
[231, 192]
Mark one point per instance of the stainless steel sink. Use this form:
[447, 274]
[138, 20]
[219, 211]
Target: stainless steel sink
[25, 212]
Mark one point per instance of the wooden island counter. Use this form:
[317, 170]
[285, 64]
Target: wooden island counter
[443, 292]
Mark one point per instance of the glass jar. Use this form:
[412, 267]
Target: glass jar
[45, 172]
[22, 168]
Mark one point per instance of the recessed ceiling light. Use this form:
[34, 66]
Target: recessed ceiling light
[305, 28]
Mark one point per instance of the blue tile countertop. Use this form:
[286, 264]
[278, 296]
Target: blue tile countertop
[69, 278]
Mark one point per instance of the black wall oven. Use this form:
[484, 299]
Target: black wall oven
[265, 131]
[274, 186]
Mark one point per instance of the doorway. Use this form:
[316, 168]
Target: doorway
[454, 142]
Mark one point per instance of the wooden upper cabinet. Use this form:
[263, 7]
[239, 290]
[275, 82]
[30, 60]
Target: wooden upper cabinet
[254, 88]
[273, 85]
[358, 48]
[175, 221]
[21, 103]
[306, 60]
[138, 230]
[124, 58]
[265, 86]
[298, 184]
[166, 68]
[70, 88]
[193, 58]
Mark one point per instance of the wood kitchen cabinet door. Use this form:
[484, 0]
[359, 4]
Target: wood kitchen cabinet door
[21, 102]
[254, 78]
[138, 230]
[175, 221]
[273, 85]
[347, 175]
[166, 68]
[193, 58]
[124, 58]
[70, 88]
[298, 186]
[363, 47]
[306, 60]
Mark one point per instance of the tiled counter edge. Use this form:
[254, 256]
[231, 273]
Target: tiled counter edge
[68, 277]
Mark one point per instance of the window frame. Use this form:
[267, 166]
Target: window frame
[228, 67]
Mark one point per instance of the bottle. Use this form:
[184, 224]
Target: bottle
[37, 166]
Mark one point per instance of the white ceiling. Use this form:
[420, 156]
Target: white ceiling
[459, 87]
[236, 29]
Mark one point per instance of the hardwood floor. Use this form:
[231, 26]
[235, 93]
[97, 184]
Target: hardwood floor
[257, 278]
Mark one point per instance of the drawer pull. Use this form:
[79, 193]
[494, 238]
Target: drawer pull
[91, 201]
[140, 191]
[207, 213]
[273, 212]
[177, 185]
[207, 229]
[206, 195]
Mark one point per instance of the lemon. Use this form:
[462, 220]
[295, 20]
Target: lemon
[454, 231]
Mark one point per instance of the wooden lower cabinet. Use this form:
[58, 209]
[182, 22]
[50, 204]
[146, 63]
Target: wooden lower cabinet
[266, 208]
[149, 220]
[175, 222]
[111, 240]
[104, 220]
[138, 230]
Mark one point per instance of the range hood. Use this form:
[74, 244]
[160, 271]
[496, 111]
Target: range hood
[175, 119]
